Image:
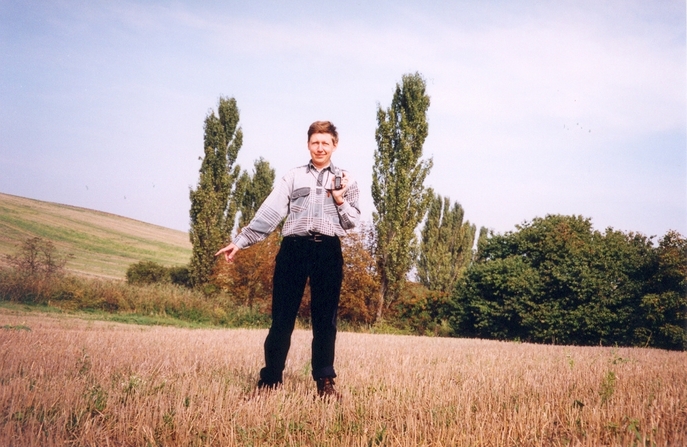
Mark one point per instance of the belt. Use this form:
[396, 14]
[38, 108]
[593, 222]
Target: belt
[315, 237]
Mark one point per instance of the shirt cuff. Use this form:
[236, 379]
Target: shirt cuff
[241, 242]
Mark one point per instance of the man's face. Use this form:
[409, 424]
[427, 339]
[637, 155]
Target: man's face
[321, 147]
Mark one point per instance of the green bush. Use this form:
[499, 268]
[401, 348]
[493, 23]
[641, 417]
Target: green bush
[422, 311]
[557, 280]
[147, 272]
[180, 276]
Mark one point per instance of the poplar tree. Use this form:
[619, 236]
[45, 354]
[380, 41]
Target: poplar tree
[446, 246]
[398, 190]
[213, 202]
[254, 189]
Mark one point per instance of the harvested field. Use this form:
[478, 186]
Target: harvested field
[68, 381]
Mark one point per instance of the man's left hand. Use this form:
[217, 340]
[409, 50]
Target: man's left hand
[338, 194]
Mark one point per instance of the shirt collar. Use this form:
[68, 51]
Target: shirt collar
[311, 166]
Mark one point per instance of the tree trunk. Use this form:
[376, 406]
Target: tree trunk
[382, 293]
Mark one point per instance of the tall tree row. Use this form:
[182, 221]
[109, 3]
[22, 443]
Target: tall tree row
[446, 246]
[213, 202]
[398, 190]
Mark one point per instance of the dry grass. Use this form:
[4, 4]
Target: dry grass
[65, 381]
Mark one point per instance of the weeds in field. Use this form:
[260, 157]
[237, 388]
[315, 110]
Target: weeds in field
[607, 386]
[18, 327]
[164, 304]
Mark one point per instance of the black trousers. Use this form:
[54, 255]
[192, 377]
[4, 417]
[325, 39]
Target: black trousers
[299, 258]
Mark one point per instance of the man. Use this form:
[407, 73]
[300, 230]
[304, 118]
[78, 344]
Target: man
[320, 203]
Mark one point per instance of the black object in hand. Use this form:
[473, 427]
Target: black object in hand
[337, 179]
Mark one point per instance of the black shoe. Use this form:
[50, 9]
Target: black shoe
[325, 388]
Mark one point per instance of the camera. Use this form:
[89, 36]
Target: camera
[337, 178]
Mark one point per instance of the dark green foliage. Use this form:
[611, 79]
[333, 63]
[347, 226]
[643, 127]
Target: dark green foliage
[254, 190]
[213, 202]
[497, 296]
[422, 311]
[557, 280]
[665, 306]
[180, 276]
[446, 246]
[398, 190]
[147, 272]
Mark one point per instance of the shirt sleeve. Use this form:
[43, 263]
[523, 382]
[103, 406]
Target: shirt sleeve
[349, 210]
[269, 215]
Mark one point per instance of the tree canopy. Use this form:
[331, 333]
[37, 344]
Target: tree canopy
[558, 280]
[398, 190]
[213, 205]
[254, 189]
[446, 245]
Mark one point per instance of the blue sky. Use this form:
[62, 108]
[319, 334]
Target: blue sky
[537, 107]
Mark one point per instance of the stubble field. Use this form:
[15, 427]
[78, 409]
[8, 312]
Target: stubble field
[68, 381]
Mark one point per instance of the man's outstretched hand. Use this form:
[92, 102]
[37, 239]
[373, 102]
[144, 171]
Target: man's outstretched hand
[229, 252]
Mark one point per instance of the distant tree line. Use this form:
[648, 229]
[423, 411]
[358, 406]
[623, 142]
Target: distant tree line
[557, 280]
[553, 280]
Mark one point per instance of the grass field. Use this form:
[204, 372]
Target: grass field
[68, 381]
[102, 244]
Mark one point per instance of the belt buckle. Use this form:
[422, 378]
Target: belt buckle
[316, 237]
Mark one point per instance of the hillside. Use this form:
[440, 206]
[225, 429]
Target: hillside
[102, 244]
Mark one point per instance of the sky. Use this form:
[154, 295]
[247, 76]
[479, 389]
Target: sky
[537, 107]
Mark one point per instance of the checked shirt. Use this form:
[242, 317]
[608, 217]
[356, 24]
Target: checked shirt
[303, 196]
